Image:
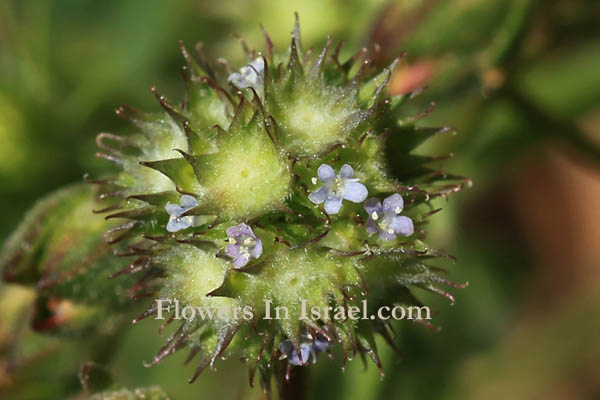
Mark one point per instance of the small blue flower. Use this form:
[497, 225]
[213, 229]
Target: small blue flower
[385, 219]
[176, 221]
[321, 344]
[243, 245]
[337, 188]
[307, 349]
[287, 348]
[250, 75]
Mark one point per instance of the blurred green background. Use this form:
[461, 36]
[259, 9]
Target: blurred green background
[519, 79]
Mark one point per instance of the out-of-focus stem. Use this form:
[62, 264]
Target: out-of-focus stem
[294, 388]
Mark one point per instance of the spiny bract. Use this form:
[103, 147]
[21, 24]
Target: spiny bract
[255, 188]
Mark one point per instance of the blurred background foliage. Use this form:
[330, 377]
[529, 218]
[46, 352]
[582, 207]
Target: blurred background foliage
[518, 79]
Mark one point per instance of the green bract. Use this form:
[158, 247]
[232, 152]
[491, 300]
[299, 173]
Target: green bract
[215, 194]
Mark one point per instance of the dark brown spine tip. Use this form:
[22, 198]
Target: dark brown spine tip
[429, 110]
[128, 113]
[359, 75]
[417, 92]
[86, 179]
[296, 31]
[186, 75]
[107, 209]
[158, 96]
[193, 352]
[336, 53]
[145, 314]
[268, 43]
[197, 372]
[218, 89]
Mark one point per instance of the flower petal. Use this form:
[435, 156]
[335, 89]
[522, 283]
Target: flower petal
[286, 347]
[234, 77]
[294, 359]
[174, 209]
[386, 235]
[333, 205]
[233, 232]
[232, 250]
[258, 65]
[403, 225]
[246, 230]
[251, 77]
[393, 203]
[346, 171]
[258, 249]
[305, 349]
[176, 224]
[356, 192]
[321, 344]
[372, 205]
[240, 261]
[319, 196]
[188, 202]
[241, 230]
[372, 226]
[325, 173]
[237, 79]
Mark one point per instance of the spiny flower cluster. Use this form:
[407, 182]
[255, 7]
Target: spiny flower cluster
[273, 182]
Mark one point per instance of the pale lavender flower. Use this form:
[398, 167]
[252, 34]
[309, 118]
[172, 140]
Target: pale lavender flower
[176, 221]
[385, 219]
[243, 245]
[250, 75]
[337, 188]
[307, 349]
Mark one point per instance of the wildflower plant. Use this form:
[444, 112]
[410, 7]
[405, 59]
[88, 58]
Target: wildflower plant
[272, 181]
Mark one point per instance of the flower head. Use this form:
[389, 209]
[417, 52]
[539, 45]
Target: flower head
[336, 188]
[243, 245]
[178, 222]
[254, 166]
[385, 219]
[250, 75]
